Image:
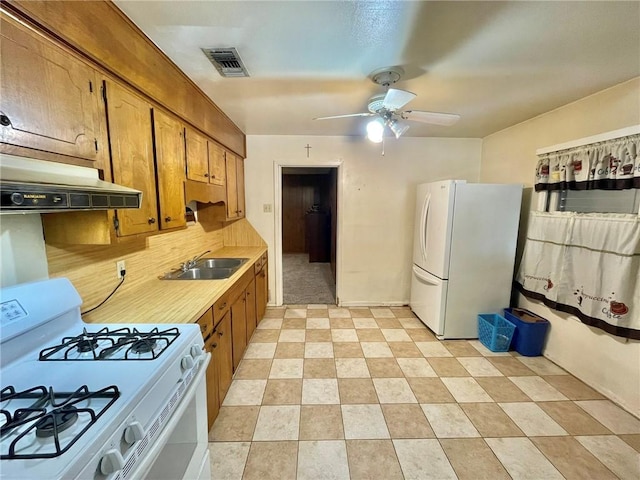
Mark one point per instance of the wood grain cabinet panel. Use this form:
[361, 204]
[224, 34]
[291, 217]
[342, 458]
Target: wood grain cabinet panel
[212, 378]
[252, 315]
[49, 99]
[224, 355]
[238, 329]
[132, 157]
[170, 167]
[205, 159]
[232, 187]
[240, 186]
[217, 173]
[262, 290]
[197, 156]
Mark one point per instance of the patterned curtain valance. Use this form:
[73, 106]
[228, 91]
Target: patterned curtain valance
[610, 165]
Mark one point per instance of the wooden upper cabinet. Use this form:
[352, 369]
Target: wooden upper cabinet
[170, 166]
[132, 157]
[240, 185]
[49, 99]
[205, 159]
[197, 156]
[232, 186]
[217, 169]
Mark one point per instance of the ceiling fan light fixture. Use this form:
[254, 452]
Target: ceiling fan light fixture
[375, 129]
[398, 128]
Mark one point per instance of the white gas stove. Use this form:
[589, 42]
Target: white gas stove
[104, 402]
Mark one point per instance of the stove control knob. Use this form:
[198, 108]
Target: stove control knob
[133, 433]
[111, 462]
[187, 362]
[196, 351]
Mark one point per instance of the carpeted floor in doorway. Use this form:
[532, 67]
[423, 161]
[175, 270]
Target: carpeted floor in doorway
[306, 282]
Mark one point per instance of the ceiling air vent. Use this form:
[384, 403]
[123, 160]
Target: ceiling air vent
[227, 61]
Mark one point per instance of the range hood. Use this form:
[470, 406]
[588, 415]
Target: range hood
[35, 186]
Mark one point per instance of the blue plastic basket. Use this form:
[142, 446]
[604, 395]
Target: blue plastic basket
[495, 332]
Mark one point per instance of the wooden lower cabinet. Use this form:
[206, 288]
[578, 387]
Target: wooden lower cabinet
[238, 328]
[213, 398]
[262, 290]
[235, 315]
[220, 370]
[223, 357]
[252, 315]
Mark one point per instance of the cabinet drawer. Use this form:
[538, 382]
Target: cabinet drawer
[221, 307]
[206, 323]
[264, 258]
[257, 266]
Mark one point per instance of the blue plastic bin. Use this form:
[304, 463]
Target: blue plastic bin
[531, 331]
[495, 332]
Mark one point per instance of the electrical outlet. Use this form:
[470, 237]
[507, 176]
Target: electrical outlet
[266, 208]
[119, 268]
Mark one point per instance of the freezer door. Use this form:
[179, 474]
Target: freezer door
[433, 224]
[428, 299]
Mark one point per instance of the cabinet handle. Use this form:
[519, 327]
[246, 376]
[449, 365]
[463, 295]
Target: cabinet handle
[223, 306]
[214, 345]
[4, 121]
[220, 334]
[213, 176]
[151, 220]
[206, 175]
[167, 219]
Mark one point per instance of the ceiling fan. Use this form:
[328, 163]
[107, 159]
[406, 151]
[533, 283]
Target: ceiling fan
[386, 108]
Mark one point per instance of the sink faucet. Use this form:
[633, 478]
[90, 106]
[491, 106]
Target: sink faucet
[192, 263]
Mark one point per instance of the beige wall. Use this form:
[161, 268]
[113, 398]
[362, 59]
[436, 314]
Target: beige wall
[376, 202]
[610, 364]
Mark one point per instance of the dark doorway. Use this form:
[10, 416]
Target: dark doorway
[309, 214]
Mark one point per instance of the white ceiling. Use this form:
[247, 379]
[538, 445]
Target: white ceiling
[494, 63]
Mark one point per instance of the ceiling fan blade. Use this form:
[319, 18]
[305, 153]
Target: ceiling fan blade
[435, 118]
[395, 99]
[363, 114]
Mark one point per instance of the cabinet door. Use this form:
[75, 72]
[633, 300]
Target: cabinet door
[261, 292]
[238, 329]
[211, 377]
[252, 315]
[169, 143]
[197, 158]
[224, 359]
[132, 157]
[240, 185]
[232, 186]
[217, 175]
[49, 100]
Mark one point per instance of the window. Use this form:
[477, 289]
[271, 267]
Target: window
[599, 201]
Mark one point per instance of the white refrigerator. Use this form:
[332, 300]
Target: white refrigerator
[463, 253]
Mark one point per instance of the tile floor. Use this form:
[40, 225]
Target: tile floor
[370, 393]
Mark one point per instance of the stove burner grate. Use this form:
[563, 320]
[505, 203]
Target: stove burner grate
[68, 408]
[85, 346]
[119, 344]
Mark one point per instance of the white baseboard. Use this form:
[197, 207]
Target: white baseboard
[373, 303]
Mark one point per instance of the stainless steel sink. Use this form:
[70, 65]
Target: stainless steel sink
[220, 262]
[206, 274]
[207, 269]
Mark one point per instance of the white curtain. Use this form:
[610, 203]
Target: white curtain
[610, 165]
[587, 265]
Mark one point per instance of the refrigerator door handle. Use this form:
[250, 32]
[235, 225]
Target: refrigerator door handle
[423, 226]
[420, 275]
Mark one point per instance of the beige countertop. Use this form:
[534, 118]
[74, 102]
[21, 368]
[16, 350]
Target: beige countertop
[172, 301]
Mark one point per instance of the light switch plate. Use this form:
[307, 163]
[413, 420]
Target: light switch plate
[266, 208]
